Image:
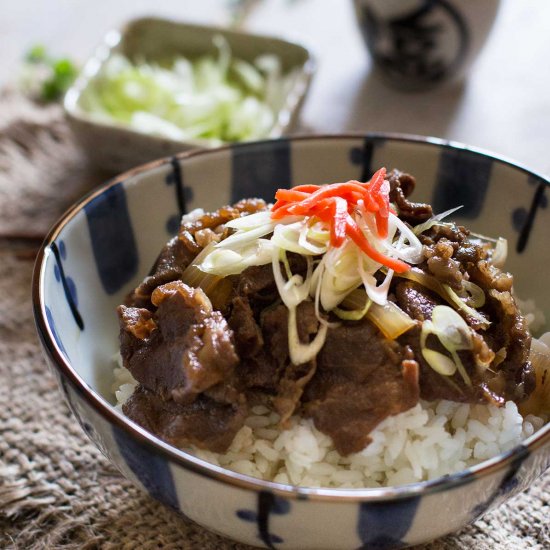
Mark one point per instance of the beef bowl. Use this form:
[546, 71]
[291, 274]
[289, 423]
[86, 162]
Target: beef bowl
[175, 446]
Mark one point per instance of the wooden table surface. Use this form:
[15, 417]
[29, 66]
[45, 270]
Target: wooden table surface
[503, 106]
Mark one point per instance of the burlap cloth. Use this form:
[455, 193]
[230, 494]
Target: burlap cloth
[56, 489]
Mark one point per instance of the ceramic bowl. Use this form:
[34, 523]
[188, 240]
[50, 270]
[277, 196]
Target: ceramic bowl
[107, 243]
[116, 146]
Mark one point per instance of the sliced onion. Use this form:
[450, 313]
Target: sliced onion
[287, 237]
[297, 291]
[302, 353]
[306, 243]
[471, 312]
[389, 318]
[483, 238]
[440, 363]
[315, 292]
[215, 287]
[418, 229]
[243, 238]
[352, 314]
[338, 276]
[193, 275]
[500, 356]
[450, 327]
[477, 295]
[454, 334]
[317, 232]
[250, 221]
[377, 293]
[224, 262]
[500, 253]
[461, 368]
[429, 281]
[413, 252]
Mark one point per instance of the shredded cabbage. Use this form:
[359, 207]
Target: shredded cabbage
[215, 98]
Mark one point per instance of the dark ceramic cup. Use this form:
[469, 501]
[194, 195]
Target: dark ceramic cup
[420, 44]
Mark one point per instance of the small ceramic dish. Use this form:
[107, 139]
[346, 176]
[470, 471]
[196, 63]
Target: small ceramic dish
[107, 243]
[116, 146]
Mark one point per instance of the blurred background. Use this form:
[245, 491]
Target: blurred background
[68, 493]
[503, 105]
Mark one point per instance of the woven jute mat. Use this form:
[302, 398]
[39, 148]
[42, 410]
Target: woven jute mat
[56, 489]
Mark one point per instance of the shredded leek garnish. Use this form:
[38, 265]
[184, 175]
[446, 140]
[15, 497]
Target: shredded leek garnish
[434, 220]
[343, 252]
[454, 334]
[348, 235]
[302, 353]
[212, 99]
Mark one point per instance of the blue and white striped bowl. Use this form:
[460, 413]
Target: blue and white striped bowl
[107, 243]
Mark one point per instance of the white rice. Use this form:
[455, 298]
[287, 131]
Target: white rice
[425, 442]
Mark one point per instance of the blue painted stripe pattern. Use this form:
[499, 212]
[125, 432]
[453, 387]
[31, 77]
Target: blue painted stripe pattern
[384, 525]
[259, 169]
[462, 179]
[362, 156]
[509, 483]
[184, 195]
[69, 287]
[53, 328]
[152, 470]
[267, 504]
[523, 220]
[176, 178]
[112, 238]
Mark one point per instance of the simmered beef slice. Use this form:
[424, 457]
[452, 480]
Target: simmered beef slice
[436, 386]
[512, 378]
[207, 423]
[260, 325]
[509, 330]
[442, 265]
[291, 379]
[256, 369]
[401, 186]
[193, 235]
[361, 379]
[181, 349]
[415, 300]
[171, 263]
[418, 302]
[257, 285]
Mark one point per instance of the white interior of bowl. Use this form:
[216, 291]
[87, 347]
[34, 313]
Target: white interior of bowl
[141, 204]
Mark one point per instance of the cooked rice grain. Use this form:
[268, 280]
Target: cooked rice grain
[425, 442]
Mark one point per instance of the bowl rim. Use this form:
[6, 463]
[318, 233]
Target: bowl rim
[155, 445]
[111, 41]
